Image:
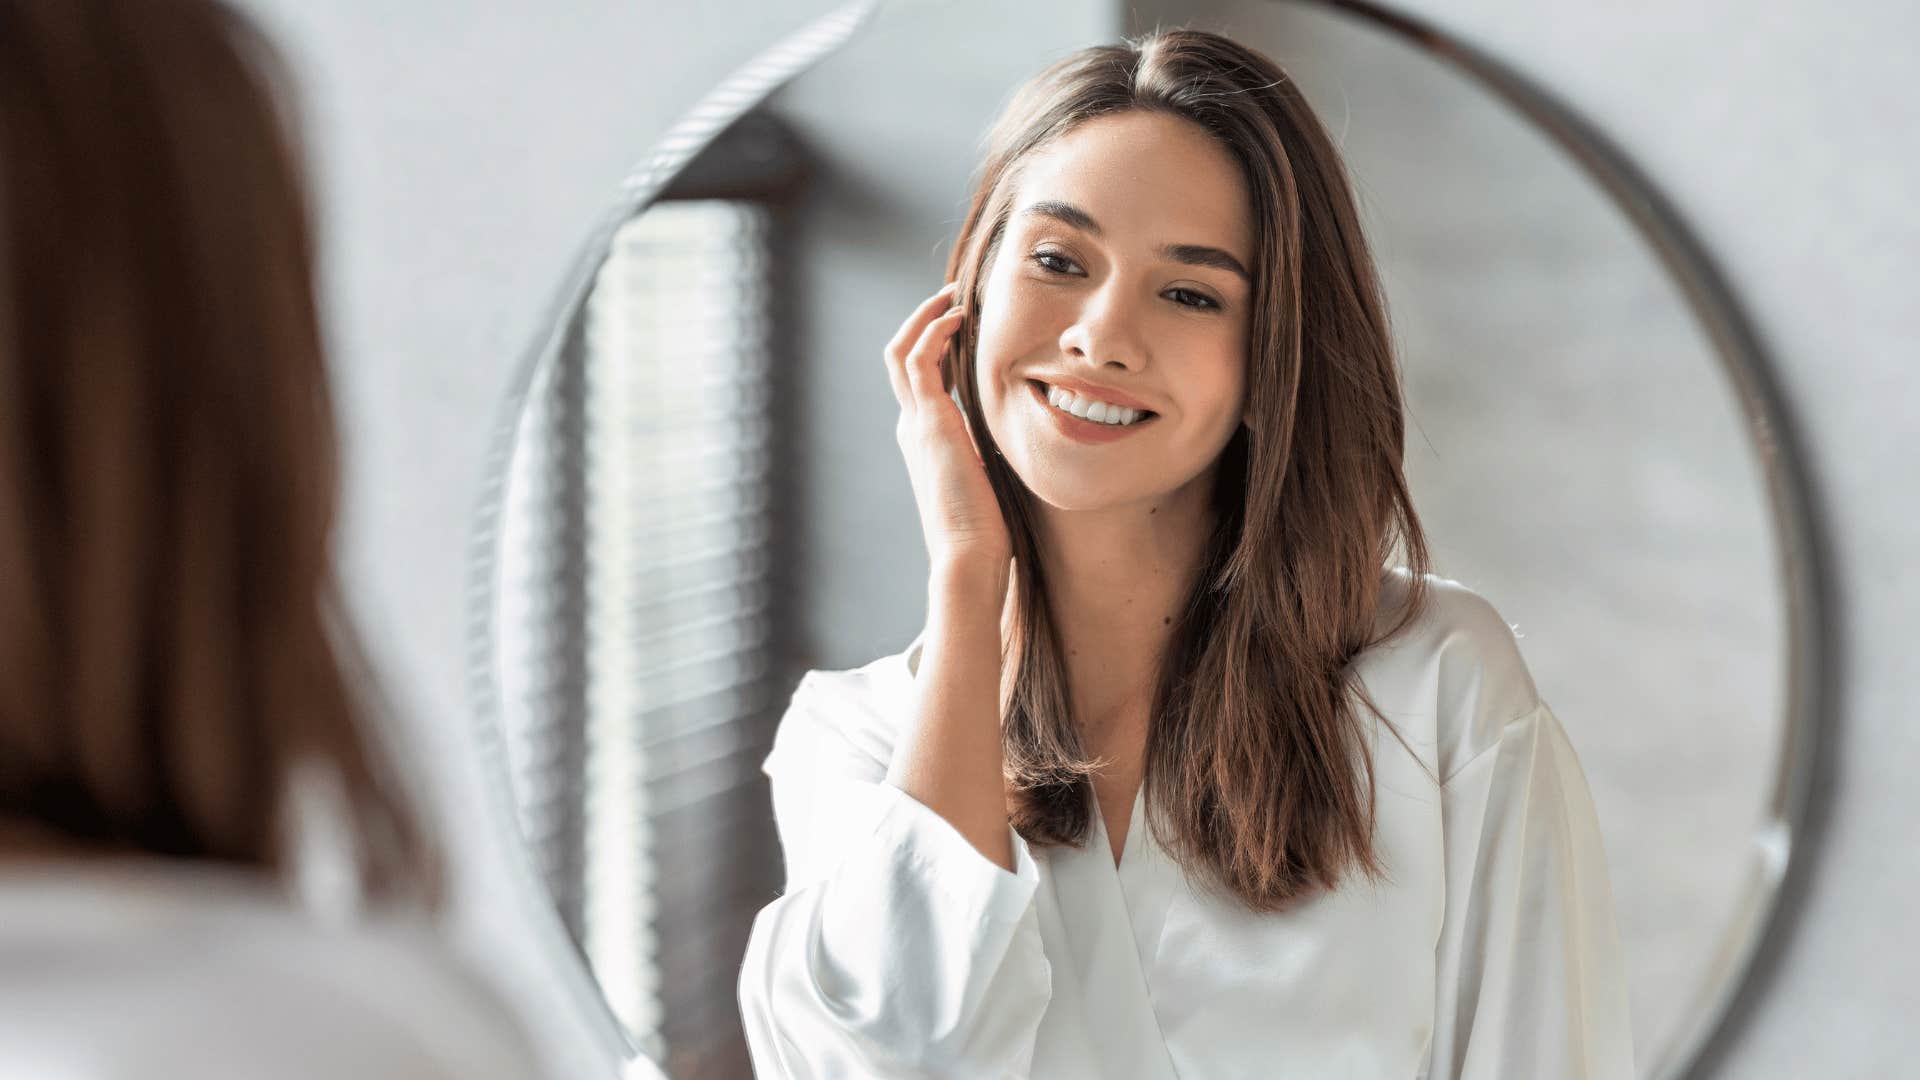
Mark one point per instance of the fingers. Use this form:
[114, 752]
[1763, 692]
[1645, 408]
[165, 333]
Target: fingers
[923, 363]
[909, 333]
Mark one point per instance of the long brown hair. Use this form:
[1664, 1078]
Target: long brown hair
[1258, 770]
[172, 644]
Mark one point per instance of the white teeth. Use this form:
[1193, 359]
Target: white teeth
[1099, 412]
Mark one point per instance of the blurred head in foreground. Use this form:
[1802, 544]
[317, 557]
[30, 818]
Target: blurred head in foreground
[172, 652]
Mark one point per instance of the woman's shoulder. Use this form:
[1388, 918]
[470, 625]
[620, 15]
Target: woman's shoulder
[857, 710]
[1452, 677]
[1455, 663]
[138, 967]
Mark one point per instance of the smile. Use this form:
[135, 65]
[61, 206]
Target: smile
[1084, 429]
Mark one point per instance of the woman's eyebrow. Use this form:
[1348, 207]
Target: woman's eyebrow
[1064, 212]
[1201, 255]
[1191, 254]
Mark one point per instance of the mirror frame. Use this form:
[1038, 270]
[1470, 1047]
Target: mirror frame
[1761, 925]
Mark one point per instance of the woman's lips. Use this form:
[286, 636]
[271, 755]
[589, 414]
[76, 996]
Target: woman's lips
[1085, 431]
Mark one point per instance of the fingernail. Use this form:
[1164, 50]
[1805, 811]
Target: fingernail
[949, 287]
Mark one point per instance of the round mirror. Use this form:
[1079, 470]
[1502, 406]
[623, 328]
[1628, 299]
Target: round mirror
[697, 495]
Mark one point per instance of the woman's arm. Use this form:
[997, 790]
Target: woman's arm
[917, 950]
[899, 948]
[949, 758]
[1530, 976]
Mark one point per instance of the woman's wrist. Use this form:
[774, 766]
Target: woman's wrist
[969, 585]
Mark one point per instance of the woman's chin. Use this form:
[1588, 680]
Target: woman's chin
[1058, 494]
[1064, 482]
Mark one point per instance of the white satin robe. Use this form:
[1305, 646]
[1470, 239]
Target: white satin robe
[898, 950]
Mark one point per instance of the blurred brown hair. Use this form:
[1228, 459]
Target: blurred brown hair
[1258, 764]
[172, 643]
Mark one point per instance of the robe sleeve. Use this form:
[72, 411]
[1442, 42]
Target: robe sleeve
[1530, 976]
[897, 949]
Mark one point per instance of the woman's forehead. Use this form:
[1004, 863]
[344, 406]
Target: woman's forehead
[1139, 177]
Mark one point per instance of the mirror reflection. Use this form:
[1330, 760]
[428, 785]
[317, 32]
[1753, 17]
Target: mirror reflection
[732, 540]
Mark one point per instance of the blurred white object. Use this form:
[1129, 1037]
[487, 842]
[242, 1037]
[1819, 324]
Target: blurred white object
[157, 968]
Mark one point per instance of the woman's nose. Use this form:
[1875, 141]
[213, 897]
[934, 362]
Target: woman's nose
[1106, 331]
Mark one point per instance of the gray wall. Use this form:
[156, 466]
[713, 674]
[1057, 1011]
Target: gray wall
[1783, 133]
[465, 148]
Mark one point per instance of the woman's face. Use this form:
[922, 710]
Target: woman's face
[1123, 273]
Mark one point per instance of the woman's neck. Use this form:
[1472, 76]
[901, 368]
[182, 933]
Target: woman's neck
[1118, 580]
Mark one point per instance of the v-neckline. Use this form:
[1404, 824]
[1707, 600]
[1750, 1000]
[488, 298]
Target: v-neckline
[1111, 918]
[1127, 842]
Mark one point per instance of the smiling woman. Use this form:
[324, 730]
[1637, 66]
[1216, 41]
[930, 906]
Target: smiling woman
[1197, 622]
[1103, 287]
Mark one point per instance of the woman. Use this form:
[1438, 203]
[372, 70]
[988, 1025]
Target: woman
[176, 684]
[1180, 779]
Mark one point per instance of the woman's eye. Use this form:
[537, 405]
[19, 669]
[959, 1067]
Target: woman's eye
[1189, 298]
[1054, 262]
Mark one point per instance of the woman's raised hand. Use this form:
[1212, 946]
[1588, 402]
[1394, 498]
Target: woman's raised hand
[959, 515]
[949, 757]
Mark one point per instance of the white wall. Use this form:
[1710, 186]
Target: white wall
[465, 148]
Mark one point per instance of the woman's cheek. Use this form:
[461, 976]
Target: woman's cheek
[1014, 323]
[1039, 313]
